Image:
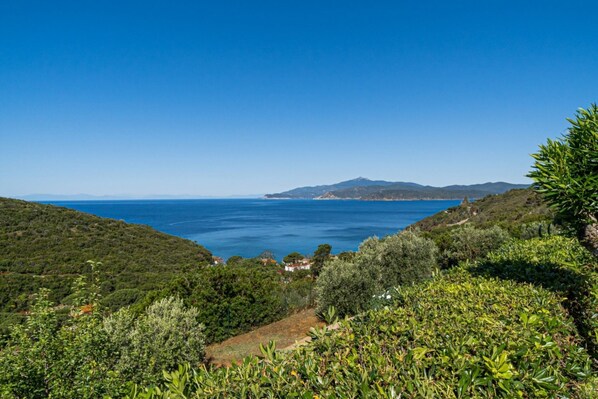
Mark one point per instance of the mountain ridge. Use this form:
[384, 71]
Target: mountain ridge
[380, 190]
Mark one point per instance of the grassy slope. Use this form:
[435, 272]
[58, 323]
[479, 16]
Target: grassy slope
[47, 246]
[508, 210]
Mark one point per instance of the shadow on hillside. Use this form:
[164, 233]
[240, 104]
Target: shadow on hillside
[574, 286]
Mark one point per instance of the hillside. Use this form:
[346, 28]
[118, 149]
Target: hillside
[316, 191]
[379, 190]
[508, 210]
[47, 246]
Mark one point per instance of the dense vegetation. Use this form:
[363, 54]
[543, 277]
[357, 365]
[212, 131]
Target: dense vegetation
[456, 336]
[44, 246]
[513, 315]
[231, 300]
[366, 189]
[512, 211]
[566, 174]
[380, 264]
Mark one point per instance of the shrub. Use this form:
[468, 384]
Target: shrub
[350, 285]
[559, 264]
[231, 299]
[566, 174]
[469, 243]
[404, 258]
[164, 336]
[456, 337]
[345, 286]
[44, 359]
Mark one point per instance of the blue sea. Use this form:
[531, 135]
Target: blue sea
[247, 227]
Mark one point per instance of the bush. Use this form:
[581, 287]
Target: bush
[86, 356]
[469, 243]
[44, 359]
[456, 337]
[345, 286]
[559, 264]
[350, 285]
[231, 299]
[164, 336]
[565, 173]
[404, 258]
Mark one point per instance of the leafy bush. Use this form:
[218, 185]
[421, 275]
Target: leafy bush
[565, 173]
[345, 286]
[559, 264]
[230, 299]
[349, 285]
[164, 336]
[86, 356]
[404, 258]
[457, 336]
[46, 359]
[469, 243]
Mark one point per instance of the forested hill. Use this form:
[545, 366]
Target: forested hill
[508, 210]
[378, 190]
[46, 246]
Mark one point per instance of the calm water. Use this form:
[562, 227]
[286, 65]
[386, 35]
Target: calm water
[247, 227]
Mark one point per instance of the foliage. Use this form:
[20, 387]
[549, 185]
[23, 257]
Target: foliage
[455, 337]
[321, 255]
[558, 264]
[345, 286]
[46, 359]
[230, 299]
[164, 336]
[380, 264]
[509, 211]
[87, 356]
[403, 258]
[44, 246]
[469, 243]
[566, 174]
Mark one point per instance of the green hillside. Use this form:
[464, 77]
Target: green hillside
[47, 246]
[510, 211]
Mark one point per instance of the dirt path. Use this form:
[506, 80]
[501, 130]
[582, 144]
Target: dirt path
[285, 332]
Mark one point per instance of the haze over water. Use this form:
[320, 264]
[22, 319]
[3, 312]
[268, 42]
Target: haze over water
[247, 227]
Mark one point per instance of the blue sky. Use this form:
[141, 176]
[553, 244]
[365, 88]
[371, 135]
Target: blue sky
[222, 98]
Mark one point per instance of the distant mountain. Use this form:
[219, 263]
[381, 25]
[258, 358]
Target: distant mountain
[311, 192]
[380, 190]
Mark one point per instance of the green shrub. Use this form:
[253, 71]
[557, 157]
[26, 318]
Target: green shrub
[122, 298]
[350, 285]
[44, 359]
[455, 337]
[559, 264]
[231, 299]
[164, 336]
[404, 258]
[469, 243]
[565, 173]
[86, 356]
[345, 286]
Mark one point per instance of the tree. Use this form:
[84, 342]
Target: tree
[293, 257]
[566, 174]
[321, 255]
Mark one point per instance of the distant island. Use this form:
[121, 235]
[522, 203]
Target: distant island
[380, 190]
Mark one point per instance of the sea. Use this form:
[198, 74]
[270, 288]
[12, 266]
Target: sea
[247, 227]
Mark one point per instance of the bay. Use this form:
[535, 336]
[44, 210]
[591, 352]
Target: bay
[246, 227]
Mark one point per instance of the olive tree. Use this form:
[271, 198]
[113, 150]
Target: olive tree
[565, 173]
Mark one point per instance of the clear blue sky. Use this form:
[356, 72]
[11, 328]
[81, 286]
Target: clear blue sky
[220, 98]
